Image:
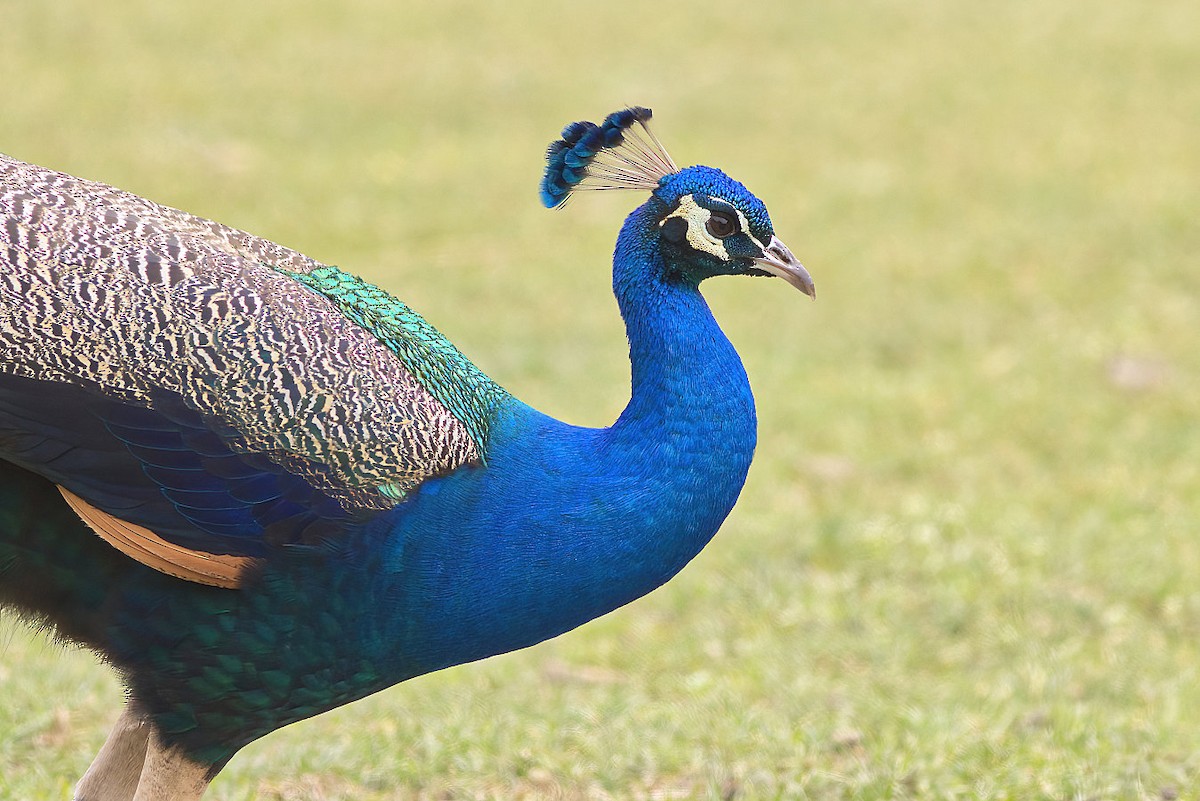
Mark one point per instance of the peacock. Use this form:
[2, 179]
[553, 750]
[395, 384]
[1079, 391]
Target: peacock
[261, 487]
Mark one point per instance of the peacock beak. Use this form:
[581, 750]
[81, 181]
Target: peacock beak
[778, 260]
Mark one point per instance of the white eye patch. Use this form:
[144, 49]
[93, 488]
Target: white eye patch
[696, 217]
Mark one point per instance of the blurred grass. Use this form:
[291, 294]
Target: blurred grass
[967, 561]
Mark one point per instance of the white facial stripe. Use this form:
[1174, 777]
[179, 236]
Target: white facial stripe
[698, 236]
[761, 245]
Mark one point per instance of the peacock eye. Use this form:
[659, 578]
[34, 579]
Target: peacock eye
[721, 224]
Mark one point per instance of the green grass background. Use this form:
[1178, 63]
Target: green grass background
[967, 561]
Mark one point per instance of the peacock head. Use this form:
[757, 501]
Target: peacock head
[705, 223]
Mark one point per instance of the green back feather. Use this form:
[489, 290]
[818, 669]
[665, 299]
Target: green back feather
[449, 376]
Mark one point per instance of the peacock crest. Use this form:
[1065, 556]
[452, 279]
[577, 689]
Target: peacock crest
[619, 153]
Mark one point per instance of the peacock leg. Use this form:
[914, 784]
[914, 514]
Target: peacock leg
[169, 774]
[114, 774]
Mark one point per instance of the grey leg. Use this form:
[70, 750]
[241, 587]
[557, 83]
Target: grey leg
[168, 774]
[114, 774]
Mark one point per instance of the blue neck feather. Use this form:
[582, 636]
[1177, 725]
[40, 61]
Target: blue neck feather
[568, 523]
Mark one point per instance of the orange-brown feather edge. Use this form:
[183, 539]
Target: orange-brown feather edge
[142, 544]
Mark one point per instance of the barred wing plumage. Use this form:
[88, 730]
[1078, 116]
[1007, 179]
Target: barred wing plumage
[168, 371]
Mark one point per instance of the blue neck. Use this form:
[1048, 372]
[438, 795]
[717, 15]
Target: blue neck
[685, 373]
[568, 523]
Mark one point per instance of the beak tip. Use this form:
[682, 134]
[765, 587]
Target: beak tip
[799, 278]
[779, 261]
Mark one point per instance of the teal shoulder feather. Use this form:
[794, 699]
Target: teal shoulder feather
[453, 380]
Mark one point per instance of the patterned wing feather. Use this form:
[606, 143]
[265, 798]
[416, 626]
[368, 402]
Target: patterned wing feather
[201, 361]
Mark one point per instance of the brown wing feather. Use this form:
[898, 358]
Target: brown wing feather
[142, 544]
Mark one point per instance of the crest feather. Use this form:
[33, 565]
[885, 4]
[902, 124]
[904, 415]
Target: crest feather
[612, 155]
